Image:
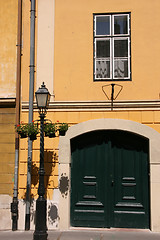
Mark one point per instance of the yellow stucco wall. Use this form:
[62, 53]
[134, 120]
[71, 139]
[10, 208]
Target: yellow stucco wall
[7, 149]
[73, 75]
[8, 41]
[73, 49]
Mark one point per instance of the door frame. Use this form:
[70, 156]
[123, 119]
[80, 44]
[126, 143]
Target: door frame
[108, 124]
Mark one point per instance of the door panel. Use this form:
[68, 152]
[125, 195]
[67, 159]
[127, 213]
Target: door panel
[130, 158]
[109, 180]
[87, 207]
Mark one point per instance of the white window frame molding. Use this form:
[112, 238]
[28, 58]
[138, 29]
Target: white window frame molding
[112, 38]
[128, 17]
[104, 59]
[128, 57]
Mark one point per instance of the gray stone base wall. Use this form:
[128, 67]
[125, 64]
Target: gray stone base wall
[5, 214]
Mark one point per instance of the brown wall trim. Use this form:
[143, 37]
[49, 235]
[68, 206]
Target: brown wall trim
[7, 102]
[99, 105]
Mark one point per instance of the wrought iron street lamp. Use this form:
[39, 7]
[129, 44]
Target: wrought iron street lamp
[42, 99]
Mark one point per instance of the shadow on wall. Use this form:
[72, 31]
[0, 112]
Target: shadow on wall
[50, 161]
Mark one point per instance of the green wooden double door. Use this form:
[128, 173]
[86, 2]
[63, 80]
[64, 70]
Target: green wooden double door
[110, 180]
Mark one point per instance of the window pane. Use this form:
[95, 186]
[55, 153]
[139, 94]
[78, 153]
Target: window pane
[103, 25]
[102, 69]
[121, 48]
[121, 68]
[120, 25]
[102, 48]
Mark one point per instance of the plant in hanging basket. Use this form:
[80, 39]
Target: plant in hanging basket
[50, 130]
[21, 129]
[63, 127]
[33, 130]
[52, 135]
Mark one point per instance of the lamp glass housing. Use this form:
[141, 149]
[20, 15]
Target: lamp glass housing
[42, 97]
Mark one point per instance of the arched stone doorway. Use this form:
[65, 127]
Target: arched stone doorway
[108, 124]
[110, 180]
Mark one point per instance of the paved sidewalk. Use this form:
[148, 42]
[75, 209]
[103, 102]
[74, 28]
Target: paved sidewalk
[111, 234]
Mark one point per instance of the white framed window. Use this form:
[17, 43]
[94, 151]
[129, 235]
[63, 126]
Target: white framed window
[112, 47]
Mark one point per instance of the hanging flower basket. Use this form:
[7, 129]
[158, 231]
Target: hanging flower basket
[33, 130]
[50, 130]
[52, 135]
[21, 129]
[23, 134]
[63, 127]
[33, 137]
[62, 132]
